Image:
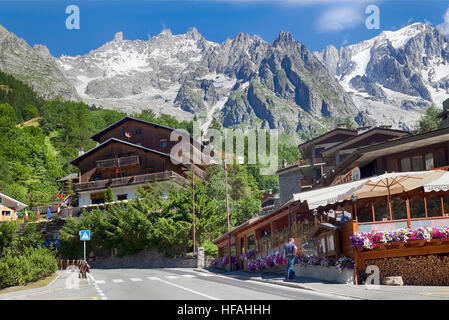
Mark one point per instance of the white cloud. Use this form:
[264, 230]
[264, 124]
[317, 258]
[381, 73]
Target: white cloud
[444, 27]
[340, 18]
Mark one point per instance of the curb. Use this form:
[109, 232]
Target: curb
[286, 284]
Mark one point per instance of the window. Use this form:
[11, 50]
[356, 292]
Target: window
[399, 208]
[251, 245]
[330, 242]
[429, 161]
[434, 206]
[1, 200]
[121, 197]
[6, 213]
[446, 204]
[233, 251]
[405, 165]
[364, 212]
[381, 209]
[164, 143]
[139, 131]
[417, 209]
[392, 165]
[321, 246]
[417, 163]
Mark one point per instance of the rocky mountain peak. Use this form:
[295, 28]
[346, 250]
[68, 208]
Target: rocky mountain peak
[118, 36]
[193, 34]
[284, 37]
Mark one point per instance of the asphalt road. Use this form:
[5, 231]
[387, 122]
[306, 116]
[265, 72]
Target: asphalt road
[161, 284]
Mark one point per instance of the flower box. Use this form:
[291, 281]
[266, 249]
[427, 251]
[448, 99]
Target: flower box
[330, 274]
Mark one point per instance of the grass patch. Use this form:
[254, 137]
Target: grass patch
[33, 285]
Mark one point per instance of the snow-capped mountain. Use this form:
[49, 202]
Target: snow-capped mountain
[244, 81]
[394, 75]
[247, 82]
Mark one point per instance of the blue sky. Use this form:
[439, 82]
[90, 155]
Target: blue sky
[316, 23]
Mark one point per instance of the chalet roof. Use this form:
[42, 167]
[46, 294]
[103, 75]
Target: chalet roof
[364, 135]
[364, 155]
[96, 137]
[10, 202]
[72, 176]
[114, 140]
[327, 135]
[288, 168]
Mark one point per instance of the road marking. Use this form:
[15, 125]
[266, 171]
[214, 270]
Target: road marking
[205, 274]
[171, 277]
[135, 279]
[100, 282]
[94, 298]
[99, 291]
[187, 289]
[189, 276]
[152, 278]
[117, 280]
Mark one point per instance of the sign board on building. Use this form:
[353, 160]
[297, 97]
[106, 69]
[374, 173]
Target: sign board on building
[353, 175]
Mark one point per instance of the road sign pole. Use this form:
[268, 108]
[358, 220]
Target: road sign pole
[84, 250]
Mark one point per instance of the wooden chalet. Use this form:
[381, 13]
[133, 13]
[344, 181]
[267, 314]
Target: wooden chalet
[343, 202]
[130, 154]
[9, 208]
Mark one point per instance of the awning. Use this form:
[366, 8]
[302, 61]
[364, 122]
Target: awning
[329, 195]
[404, 181]
[440, 184]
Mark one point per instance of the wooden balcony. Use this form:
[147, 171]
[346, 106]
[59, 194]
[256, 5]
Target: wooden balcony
[310, 161]
[118, 162]
[305, 182]
[132, 180]
[305, 162]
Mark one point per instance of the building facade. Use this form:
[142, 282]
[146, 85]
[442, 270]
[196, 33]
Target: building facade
[130, 153]
[9, 208]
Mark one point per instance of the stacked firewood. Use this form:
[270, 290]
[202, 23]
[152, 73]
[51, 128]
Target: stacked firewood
[429, 270]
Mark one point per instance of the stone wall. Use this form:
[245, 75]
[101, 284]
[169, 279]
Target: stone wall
[142, 260]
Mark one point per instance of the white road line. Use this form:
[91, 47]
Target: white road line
[189, 276]
[152, 278]
[190, 290]
[135, 279]
[104, 298]
[205, 274]
[117, 280]
[100, 282]
[171, 277]
[99, 291]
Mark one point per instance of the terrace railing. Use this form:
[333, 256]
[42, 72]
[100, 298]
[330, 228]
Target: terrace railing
[118, 162]
[138, 179]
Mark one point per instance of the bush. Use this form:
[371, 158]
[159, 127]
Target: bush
[33, 264]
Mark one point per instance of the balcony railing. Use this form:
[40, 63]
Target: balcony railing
[118, 162]
[327, 169]
[310, 161]
[139, 179]
[305, 162]
[305, 182]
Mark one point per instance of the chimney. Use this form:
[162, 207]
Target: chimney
[80, 151]
[341, 125]
[284, 163]
[385, 126]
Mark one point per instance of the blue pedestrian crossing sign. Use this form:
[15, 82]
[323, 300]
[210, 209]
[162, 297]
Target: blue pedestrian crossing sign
[85, 235]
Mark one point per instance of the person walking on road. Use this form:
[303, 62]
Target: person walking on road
[290, 250]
